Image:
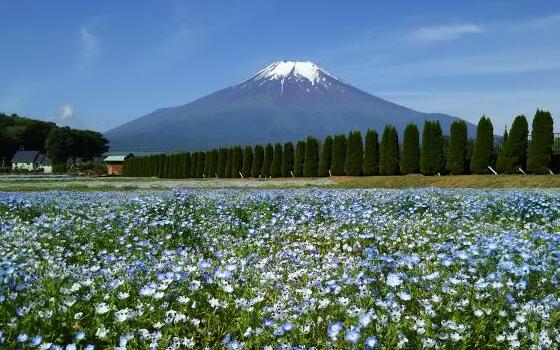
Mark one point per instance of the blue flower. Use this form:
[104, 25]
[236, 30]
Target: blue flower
[334, 329]
[79, 335]
[372, 342]
[352, 335]
[36, 341]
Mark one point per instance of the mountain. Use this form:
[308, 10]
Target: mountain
[286, 101]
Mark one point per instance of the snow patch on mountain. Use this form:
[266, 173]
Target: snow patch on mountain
[285, 69]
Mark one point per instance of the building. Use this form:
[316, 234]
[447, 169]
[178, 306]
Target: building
[115, 164]
[31, 161]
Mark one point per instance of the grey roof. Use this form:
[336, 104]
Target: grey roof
[26, 157]
[43, 160]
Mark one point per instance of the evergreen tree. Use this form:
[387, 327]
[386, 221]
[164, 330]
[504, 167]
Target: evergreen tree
[194, 164]
[267, 162]
[542, 139]
[257, 161]
[207, 163]
[354, 154]
[338, 155]
[513, 152]
[200, 164]
[276, 165]
[457, 150]
[288, 159]
[229, 160]
[187, 166]
[311, 159]
[247, 161]
[483, 147]
[161, 165]
[410, 159]
[431, 154]
[299, 158]
[236, 162]
[213, 168]
[389, 152]
[326, 157]
[371, 154]
[222, 160]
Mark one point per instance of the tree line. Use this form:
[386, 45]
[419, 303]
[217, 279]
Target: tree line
[59, 143]
[352, 155]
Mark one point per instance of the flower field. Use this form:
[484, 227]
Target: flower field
[280, 269]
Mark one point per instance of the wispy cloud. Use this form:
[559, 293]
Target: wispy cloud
[89, 44]
[67, 111]
[444, 32]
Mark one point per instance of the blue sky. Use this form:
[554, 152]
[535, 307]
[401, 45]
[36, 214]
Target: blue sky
[97, 64]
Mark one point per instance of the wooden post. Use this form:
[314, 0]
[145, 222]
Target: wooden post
[492, 170]
[550, 171]
[521, 171]
[241, 175]
[291, 172]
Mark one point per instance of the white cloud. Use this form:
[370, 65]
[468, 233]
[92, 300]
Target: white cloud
[67, 111]
[89, 44]
[444, 32]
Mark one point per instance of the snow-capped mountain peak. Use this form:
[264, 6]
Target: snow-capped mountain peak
[299, 69]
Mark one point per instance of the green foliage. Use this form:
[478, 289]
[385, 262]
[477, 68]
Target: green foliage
[339, 155]
[276, 165]
[267, 162]
[236, 161]
[371, 154]
[311, 160]
[288, 159]
[299, 158]
[389, 152]
[326, 157]
[222, 161]
[247, 161]
[542, 139]
[258, 159]
[354, 154]
[431, 154]
[229, 160]
[457, 149]
[483, 147]
[410, 159]
[200, 164]
[59, 145]
[513, 153]
[194, 165]
[213, 165]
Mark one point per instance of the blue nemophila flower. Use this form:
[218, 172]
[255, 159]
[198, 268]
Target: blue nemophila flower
[352, 335]
[393, 280]
[36, 341]
[333, 329]
[22, 337]
[79, 335]
[371, 342]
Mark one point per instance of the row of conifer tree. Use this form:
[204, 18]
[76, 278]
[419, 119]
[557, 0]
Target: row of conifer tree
[350, 155]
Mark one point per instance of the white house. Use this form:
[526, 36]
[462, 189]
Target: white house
[31, 161]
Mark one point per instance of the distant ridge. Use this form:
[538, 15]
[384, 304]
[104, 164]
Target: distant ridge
[286, 101]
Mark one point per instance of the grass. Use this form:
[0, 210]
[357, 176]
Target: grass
[469, 181]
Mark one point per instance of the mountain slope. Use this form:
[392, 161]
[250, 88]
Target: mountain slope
[285, 101]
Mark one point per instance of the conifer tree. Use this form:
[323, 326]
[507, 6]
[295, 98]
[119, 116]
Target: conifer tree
[354, 154]
[326, 157]
[371, 154]
[431, 154]
[258, 159]
[513, 152]
[276, 165]
[200, 164]
[267, 162]
[229, 160]
[457, 149]
[311, 159]
[187, 166]
[213, 167]
[483, 147]
[542, 140]
[299, 158]
[207, 163]
[222, 160]
[247, 161]
[389, 152]
[288, 159]
[236, 162]
[410, 157]
[339, 155]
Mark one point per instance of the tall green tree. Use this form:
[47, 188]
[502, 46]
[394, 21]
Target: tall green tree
[247, 161]
[483, 147]
[311, 160]
[194, 165]
[222, 161]
[200, 164]
[257, 161]
[542, 139]
[187, 165]
[326, 157]
[354, 154]
[457, 149]
[371, 154]
[288, 159]
[339, 155]
[229, 160]
[431, 154]
[276, 165]
[513, 153]
[410, 159]
[299, 158]
[389, 152]
[213, 164]
[267, 162]
[59, 145]
[236, 162]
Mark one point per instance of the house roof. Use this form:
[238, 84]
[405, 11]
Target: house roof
[25, 157]
[117, 158]
[43, 160]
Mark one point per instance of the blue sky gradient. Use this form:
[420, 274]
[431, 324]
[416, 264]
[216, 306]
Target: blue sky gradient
[99, 64]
